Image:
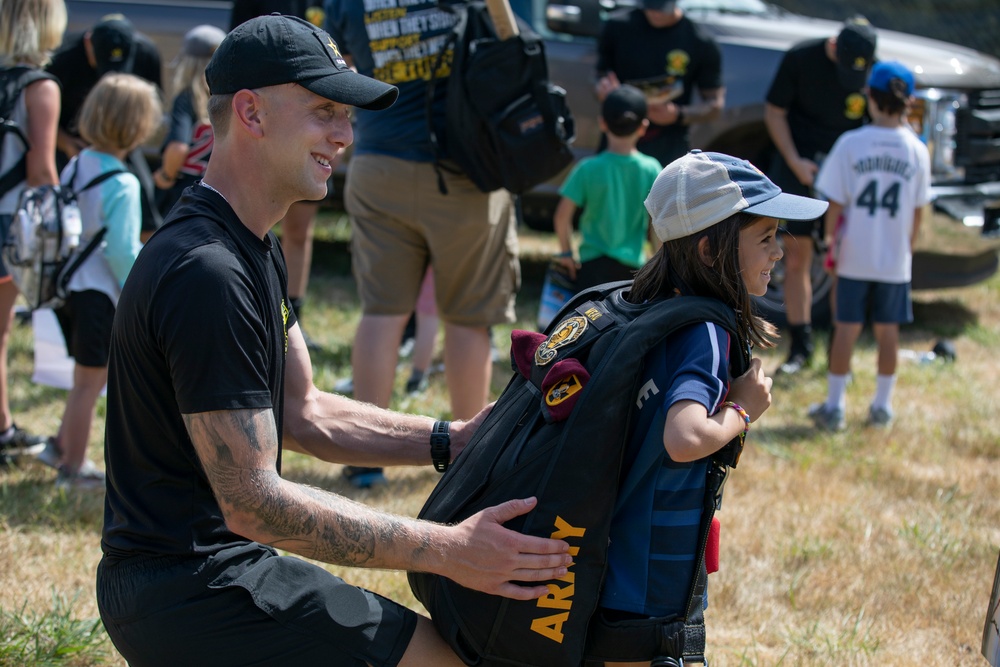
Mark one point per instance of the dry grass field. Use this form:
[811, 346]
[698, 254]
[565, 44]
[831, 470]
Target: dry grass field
[866, 547]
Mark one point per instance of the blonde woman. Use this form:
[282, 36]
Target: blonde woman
[29, 31]
[118, 115]
[190, 138]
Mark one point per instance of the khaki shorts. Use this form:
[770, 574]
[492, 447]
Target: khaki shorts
[401, 223]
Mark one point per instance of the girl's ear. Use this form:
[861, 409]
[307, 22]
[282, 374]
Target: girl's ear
[704, 252]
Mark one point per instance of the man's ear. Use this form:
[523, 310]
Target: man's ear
[704, 252]
[247, 111]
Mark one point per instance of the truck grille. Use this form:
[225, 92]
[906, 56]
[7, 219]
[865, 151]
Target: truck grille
[978, 137]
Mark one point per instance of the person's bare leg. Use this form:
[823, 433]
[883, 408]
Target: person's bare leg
[8, 294]
[427, 649]
[374, 357]
[798, 301]
[78, 414]
[887, 338]
[425, 340]
[798, 286]
[297, 242]
[467, 368]
[845, 335]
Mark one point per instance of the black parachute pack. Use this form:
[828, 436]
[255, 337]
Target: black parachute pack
[571, 459]
[508, 126]
[13, 80]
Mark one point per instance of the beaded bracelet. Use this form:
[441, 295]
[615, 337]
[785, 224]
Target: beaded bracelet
[743, 413]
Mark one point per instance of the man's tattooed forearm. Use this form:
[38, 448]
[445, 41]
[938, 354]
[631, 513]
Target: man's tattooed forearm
[295, 517]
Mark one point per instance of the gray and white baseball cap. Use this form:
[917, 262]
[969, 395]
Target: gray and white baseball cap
[698, 190]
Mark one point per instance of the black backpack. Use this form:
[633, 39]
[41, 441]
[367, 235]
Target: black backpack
[13, 80]
[575, 469]
[507, 125]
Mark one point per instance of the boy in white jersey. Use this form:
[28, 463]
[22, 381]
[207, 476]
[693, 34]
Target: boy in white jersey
[878, 178]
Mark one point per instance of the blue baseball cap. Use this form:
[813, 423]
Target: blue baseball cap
[884, 72]
[699, 190]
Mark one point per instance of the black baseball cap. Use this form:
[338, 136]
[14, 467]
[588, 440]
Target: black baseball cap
[658, 5]
[113, 41]
[855, 52]
[275, 49]
[623, 110]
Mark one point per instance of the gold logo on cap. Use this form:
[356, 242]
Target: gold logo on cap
[333, 47]
[568, 331]
[854, 106]
[316, 16]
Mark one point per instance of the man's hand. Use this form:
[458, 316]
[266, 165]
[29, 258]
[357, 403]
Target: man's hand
[483, 555]
[805, 170]
[605, 85]
[662, 113]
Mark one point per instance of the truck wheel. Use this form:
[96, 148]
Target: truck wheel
[772, 304]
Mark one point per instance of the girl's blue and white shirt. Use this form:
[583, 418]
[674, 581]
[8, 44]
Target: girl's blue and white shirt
[655, 530]
[114, 204]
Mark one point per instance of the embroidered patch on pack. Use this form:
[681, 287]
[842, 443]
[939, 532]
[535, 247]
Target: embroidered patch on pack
[568, 331]
[563, 391]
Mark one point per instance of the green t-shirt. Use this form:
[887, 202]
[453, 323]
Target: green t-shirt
[611, 189]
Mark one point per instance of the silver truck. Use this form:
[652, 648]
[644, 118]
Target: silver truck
[957, 114]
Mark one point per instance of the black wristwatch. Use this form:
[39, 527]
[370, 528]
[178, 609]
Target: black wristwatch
[441, 445]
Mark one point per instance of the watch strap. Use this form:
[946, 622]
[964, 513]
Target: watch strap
[441, 445]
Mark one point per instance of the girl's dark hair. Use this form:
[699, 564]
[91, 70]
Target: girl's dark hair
[892, 101]
[677, 269]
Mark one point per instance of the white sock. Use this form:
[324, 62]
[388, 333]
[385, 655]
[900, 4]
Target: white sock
[836, 396]
[884, 384]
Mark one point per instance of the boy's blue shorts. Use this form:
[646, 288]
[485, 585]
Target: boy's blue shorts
[884, 303]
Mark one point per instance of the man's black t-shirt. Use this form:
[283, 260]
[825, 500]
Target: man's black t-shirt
[819, 108]
[682, 55]
[202, 325]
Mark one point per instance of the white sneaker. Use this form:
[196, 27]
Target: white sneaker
[87, 478]
[50, 455]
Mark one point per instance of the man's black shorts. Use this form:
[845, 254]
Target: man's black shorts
[245, 605]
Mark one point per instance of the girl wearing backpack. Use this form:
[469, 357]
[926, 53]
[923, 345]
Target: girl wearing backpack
[717, 217]
[30, 30]
[119, 114]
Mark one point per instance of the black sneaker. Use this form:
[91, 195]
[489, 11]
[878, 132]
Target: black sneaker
[15, 441]
[364, 478]
[795, 362]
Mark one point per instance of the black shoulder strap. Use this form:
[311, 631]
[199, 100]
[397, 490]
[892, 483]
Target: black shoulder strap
[96, 180]
[12, 81]
[461, 12]
[78, 257]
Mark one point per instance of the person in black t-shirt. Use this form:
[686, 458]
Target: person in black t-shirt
[209, 379]
[815, 97]
[112, 45]
[656, 48]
